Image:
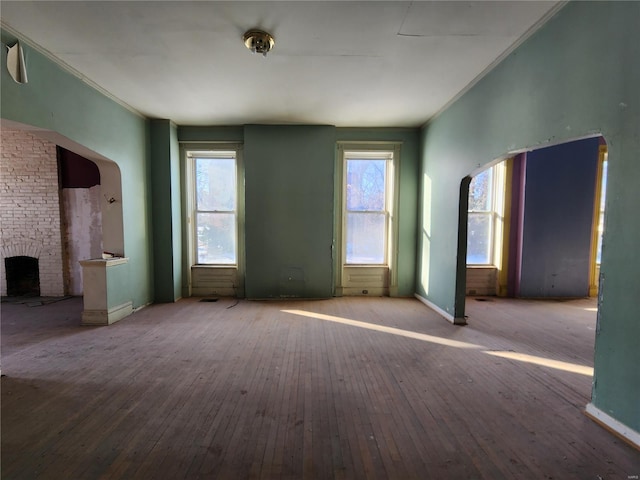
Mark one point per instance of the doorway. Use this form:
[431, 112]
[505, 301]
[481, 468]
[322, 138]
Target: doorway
[544, 233]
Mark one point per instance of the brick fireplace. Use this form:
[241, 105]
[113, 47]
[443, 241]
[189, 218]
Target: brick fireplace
[30, 210]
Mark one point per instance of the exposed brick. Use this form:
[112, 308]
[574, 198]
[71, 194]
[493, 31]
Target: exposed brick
[30, 214]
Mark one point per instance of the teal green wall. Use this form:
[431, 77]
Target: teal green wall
[577, 76]
[287, 171]
[289, 175]
[176, 212]
[408, 208]
[166, 218]
[57, 101]
[190, 134]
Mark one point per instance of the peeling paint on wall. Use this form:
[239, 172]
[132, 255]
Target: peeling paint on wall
[83, 232]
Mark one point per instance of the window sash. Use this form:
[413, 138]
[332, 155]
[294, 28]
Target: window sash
[480, 238]
[484, 180]
[601, 208]
[366, 238]
[367, 245]
[215, 229]
[483, 225]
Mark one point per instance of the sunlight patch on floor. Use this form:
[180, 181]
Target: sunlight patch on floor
[509, 355]
[382, 328]
[545, 362]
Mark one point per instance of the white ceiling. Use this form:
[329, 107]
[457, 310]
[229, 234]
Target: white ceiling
[366, 63]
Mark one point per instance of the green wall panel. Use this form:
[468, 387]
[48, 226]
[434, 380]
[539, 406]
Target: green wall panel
[193, 134]
[289, 175]
[176, 211]
[577, 76]
[167, 230]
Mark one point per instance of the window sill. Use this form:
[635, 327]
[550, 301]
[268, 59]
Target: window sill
[230, 267]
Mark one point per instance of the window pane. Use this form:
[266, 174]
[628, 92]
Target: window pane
[366, 184]
[366, 238]
[603, 195]
[599, 243]
[216, 238]
[603, 186]
[480, 192]
[216, 184]
[479, 239]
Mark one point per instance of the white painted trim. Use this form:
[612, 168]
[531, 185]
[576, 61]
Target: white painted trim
[391, 152]
[433, 306]
[231, 285]
[104, 262]
[107, 317]
[612, 424]
[137, 309]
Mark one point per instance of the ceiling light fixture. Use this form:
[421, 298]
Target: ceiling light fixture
[258, 41]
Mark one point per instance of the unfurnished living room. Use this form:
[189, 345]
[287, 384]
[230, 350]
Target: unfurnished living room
[305, 239]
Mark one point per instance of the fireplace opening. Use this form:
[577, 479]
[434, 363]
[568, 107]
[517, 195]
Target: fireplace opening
[23, 276]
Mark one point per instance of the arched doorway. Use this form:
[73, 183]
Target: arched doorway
[532, 225]
[33, 198]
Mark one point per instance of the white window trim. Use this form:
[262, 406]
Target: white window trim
[192, 156]
[189, 235]
[393, 182]
[496, 213]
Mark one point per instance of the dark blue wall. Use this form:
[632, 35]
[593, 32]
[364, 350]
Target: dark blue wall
[558, 214]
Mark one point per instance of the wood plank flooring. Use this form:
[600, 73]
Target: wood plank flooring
[348, 388]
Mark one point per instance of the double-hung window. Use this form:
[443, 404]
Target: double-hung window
[369, 231]
[485, 216]
[367, 207]
[216, 207]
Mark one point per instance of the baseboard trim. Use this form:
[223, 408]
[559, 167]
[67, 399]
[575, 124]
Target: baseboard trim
[107, 317]
[440, 311]
[145, 305]
[614, 426]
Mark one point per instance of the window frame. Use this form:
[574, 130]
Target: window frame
[342, 271]
[213, 150]
[495, 213]
[601, 196]
[356, 155]
[598, 223]
[194, 156]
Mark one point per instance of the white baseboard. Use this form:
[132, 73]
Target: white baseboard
[610, 423]
[137, 309]
[444, 313]
[107, 317]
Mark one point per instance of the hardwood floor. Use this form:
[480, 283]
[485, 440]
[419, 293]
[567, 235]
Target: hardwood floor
[346, 388]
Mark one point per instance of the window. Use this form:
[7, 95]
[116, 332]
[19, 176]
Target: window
[216, 207]
[603, 195]
[367, 204]
[486, 205]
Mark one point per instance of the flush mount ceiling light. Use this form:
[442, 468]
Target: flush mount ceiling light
[258, 41]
